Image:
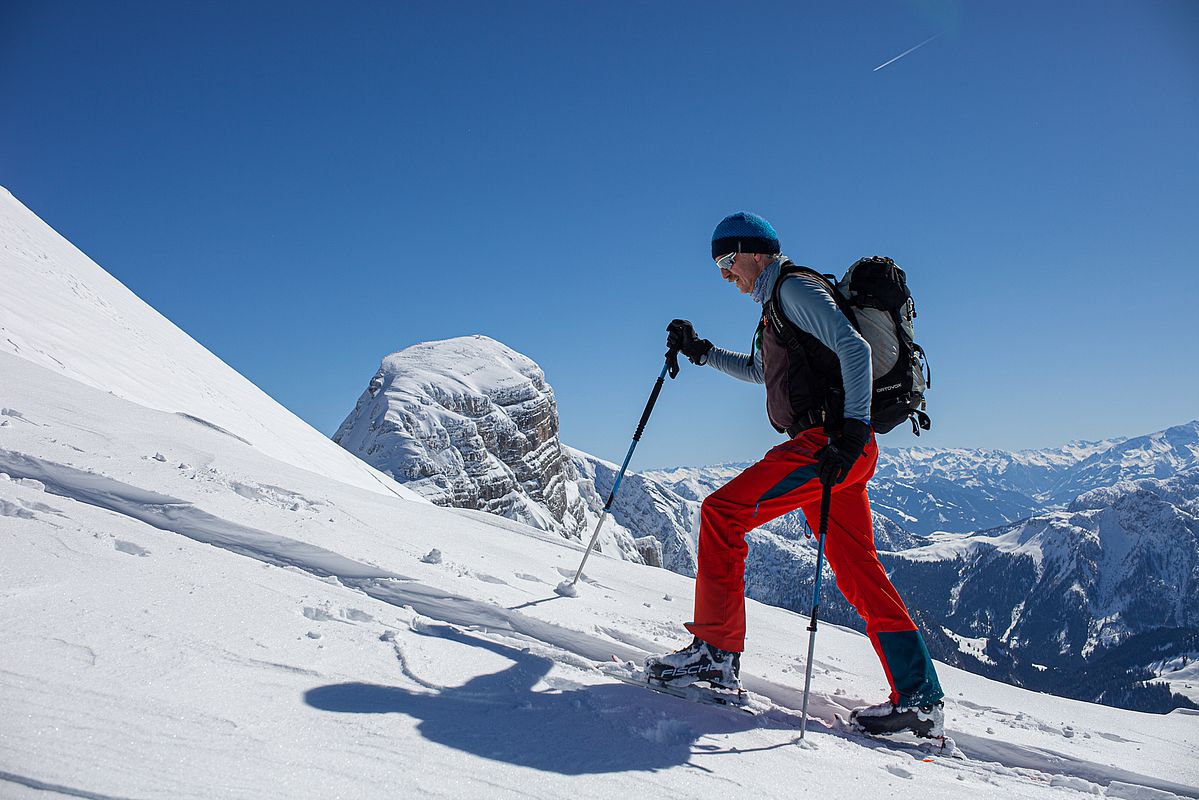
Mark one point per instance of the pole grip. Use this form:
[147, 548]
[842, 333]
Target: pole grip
[672, 362]
[649, 407]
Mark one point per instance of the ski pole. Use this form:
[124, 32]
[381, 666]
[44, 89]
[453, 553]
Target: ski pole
[825, 491]
[671, 365]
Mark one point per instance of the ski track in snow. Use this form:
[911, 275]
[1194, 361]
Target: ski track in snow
[42, 786]
[170, 514]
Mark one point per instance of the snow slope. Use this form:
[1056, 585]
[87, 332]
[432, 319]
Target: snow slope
[186, 615]
[59, 309]
[183, 627]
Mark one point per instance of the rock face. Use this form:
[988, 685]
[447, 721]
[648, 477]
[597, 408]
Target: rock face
[469, 423]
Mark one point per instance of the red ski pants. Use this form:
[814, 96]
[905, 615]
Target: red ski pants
[783, 481]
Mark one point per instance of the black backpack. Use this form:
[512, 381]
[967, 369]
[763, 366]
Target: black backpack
[874, 295]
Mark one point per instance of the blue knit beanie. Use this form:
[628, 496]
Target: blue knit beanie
[744, 232]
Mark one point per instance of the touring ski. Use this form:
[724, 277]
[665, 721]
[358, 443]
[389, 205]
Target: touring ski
[627, 672]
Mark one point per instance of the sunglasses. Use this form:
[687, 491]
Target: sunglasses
[725, 262]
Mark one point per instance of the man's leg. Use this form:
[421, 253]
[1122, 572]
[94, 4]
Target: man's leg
[862, 579]
[782, 481]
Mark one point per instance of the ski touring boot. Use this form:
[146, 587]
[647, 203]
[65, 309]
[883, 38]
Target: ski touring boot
[697, 662]
[887, 719]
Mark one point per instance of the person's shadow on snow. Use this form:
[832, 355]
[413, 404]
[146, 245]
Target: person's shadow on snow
[583, 730]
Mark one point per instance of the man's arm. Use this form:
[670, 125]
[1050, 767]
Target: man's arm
[739, 365]
[807, 303]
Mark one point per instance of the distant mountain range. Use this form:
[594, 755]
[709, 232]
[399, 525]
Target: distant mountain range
[1044, 597]
[957, 490]
[1030, 566]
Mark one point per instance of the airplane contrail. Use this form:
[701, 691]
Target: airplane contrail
[906, 52]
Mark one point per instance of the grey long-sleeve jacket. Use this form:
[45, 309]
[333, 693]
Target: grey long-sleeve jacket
[807, 304]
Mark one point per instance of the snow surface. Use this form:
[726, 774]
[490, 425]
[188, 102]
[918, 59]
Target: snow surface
[188, 616]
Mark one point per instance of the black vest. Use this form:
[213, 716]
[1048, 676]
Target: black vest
[802, 375]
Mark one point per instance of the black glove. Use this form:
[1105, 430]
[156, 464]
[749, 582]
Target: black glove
[681, 336]
[836, 459]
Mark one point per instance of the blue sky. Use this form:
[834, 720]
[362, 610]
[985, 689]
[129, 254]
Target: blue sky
[306, 187]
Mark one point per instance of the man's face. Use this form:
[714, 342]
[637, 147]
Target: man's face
[744, 270]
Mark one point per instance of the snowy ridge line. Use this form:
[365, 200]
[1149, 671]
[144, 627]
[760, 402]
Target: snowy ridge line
[178, 516]
[61, 311]
[212, 426]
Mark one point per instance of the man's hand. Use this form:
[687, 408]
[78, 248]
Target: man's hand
[837, 458]
[681, 336]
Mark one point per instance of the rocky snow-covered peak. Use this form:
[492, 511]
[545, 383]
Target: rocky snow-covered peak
[470, 423]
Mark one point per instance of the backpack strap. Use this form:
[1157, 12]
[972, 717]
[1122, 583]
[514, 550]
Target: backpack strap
[778, 320]
[928, 370]
[834, 401]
